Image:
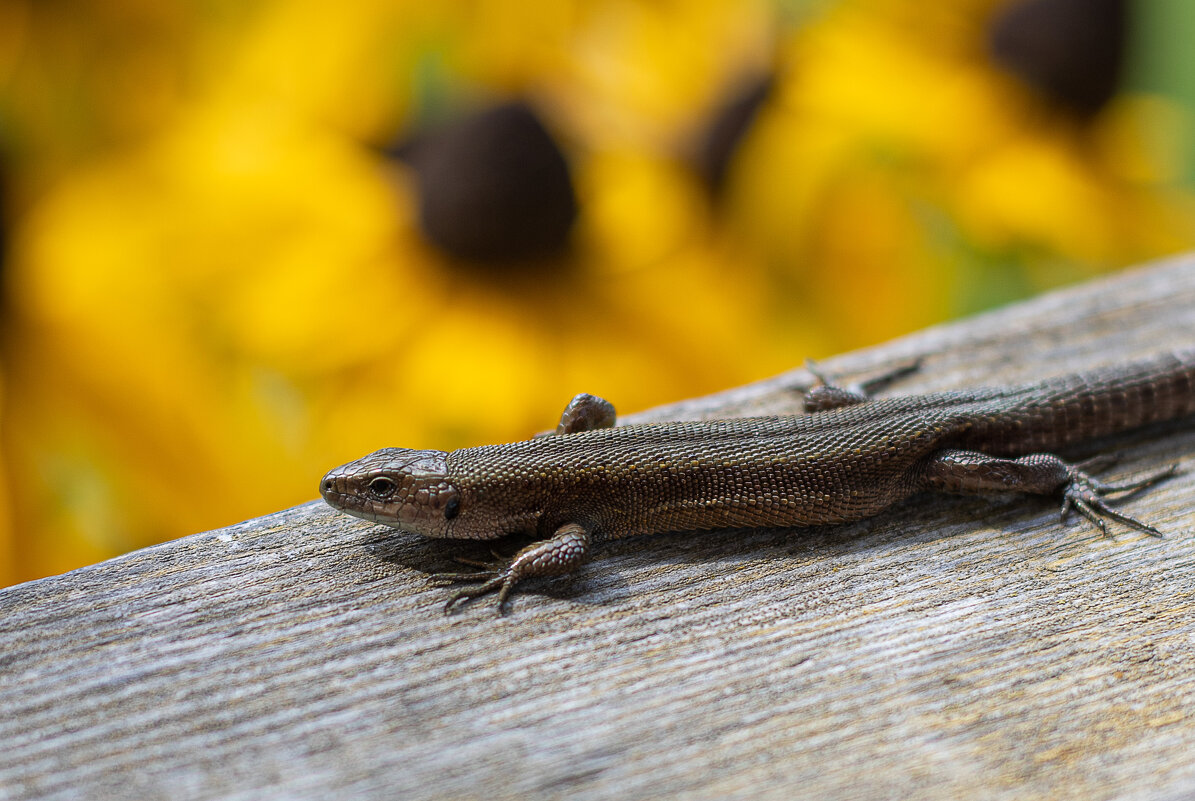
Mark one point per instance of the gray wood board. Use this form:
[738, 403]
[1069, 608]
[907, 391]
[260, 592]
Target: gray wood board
[955, 647]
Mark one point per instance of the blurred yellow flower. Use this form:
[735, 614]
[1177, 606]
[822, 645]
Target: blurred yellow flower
[222, 283]
[900, 176]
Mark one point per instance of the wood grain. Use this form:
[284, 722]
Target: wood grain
[957, 647]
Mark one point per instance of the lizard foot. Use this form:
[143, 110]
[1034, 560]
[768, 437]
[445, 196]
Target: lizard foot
[497, 577]
[560, 555]
[1089, 497]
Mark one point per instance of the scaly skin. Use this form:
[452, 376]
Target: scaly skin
[851, 460]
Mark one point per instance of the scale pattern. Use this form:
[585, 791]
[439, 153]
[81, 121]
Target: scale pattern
[829, 467]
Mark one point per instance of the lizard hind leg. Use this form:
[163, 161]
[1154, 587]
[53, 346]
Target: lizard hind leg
[829, 395]
[560, 555]
[1038, 474]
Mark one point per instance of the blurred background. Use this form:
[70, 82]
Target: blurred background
[247, 240]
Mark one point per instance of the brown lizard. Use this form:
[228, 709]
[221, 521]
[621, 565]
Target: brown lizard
[850, 458]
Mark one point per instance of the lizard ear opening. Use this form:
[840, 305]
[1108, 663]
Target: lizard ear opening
[452, 508]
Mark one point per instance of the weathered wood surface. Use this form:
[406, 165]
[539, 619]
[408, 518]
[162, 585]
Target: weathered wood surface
[955, 648]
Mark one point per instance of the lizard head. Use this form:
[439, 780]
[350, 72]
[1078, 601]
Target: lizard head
[398, 487]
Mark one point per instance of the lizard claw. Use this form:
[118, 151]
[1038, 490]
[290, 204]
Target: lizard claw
[502, 583]
[1097, 463]
[446, 579]
[493, 576]
[1087, 496]
[498, 561]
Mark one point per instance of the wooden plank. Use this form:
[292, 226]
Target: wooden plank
[957, 647]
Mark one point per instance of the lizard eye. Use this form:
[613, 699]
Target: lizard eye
[382, 487]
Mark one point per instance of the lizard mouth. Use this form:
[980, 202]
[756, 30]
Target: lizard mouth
[337, 494]
[347, 502]
[338, 489]
[333, 486]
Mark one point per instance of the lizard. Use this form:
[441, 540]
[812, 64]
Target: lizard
[849, 457]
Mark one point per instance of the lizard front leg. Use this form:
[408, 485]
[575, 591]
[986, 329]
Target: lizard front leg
[560, 555]
[1038, 474]
[586, 412]
[829, 395]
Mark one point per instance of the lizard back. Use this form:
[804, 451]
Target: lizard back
[798, 470]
